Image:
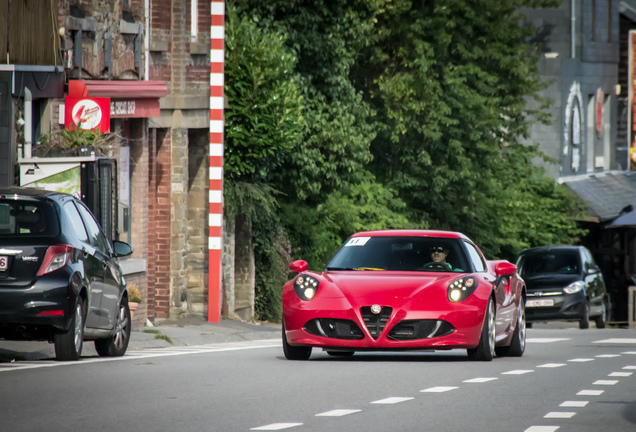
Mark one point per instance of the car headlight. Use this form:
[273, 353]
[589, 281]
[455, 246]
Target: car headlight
[461, 289]
[306, 287]
[574, 287]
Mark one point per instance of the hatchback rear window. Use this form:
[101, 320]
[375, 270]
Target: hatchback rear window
[27, 218]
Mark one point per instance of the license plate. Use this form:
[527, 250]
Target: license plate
[4, 263]
[540, 303]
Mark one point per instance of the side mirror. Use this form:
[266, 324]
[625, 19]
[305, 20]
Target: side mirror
[505, 269]
[122, 249]
[298, 266]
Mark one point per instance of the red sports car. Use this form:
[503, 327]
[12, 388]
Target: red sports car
[405, 290]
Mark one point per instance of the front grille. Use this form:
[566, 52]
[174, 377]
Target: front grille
[375, 322]
[420, 329]
[334, 328]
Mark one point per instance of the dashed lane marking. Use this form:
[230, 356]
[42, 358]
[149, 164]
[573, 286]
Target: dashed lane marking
[608, 356]
[542, 429]
[590, 393]
[630, 367]
[581, 360]
[338, 413]
[559, 414]
[574, 404]
[616, 341]
[552, 365]
[517, 372]
[392, 400]
[546, 340]
[629, 352]
[439, 389]
[479, 380]
[620, 374]
[277, 426]
[605, 382]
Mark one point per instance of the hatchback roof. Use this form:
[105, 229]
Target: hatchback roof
[31, 192]
[551, 248]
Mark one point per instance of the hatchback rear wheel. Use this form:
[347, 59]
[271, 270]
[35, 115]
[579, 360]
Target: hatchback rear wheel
[117, 344]
[69, 343]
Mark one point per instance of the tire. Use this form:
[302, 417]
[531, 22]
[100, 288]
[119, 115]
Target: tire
[518, 343]
[69, 343]
[117, 344]
[485, 351]
[602, 318]
[293, 352]
[340, 353]
[584, 323]
[528, 325]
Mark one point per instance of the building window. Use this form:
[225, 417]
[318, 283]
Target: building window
[194, 20]
[609, 20]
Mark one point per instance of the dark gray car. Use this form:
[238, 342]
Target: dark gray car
[563, 283]
[60, 278]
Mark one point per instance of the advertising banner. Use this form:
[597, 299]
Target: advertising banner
[88, 113]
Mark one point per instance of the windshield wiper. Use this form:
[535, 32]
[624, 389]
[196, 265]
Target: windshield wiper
[339, 268]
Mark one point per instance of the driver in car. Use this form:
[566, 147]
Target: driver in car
[438, 255]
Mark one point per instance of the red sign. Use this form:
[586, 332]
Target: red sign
[87, 113]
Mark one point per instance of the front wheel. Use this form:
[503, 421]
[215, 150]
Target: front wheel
[485, 351]
[69, 343]
[602, 318]
[117, 344]
[293, 352]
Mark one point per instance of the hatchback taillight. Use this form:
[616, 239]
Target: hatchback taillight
[56, 257]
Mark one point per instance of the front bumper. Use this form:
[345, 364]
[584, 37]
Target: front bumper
[425, 325]
[564, 307]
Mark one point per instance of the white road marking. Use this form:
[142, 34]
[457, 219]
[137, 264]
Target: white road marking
[277, 426]
[479, 380]
[574, 404]
[620, 374]
[439, 389]
[152, 353]
[338, 413]
[617, 341]
[545, 340]
[581, 360]
[630, 367]
[542, 429]
[517, 372]
[552, 365]
[590, 393]
[608, 355]
[392, 400]
[629, 352]
[557, 414]
[605, 382]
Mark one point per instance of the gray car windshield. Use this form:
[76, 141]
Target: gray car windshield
[556, 262]
[398, 253]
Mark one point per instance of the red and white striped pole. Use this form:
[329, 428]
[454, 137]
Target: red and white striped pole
[215, 224]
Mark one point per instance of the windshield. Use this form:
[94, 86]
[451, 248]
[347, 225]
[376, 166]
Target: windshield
[552, 262]
[401, 253]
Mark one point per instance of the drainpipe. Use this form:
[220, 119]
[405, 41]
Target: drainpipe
[573, 28]
[28, 123]
[147, 40]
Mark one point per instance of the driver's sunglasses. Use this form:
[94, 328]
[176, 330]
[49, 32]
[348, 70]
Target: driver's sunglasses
[437, 249]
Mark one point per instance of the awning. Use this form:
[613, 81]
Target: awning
[129, 99]
[606, 194]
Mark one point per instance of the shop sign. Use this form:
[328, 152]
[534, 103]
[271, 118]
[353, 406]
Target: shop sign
[90, 113]
[134, 108]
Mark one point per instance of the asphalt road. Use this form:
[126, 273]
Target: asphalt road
[568, 380]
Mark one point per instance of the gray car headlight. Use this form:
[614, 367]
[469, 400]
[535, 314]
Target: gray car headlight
[574, 287]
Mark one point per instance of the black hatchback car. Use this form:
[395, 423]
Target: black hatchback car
[563, 283]
[60, 278]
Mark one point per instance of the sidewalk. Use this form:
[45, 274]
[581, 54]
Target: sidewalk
[196, 331]
[164, 333]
